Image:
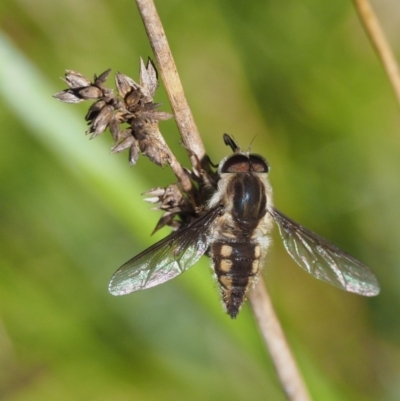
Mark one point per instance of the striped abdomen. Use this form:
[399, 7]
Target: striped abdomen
[235, 264]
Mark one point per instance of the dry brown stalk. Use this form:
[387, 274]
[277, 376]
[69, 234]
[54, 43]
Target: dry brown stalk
[380, 43]
[265, 316]
[277, 344]
[166, 65]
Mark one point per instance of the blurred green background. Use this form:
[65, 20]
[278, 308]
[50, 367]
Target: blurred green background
[297, 80]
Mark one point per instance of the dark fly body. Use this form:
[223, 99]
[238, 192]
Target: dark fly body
[235, 230]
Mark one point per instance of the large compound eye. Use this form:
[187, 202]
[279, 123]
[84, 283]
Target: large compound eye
[241, 163]
[236, 164]
[258, 164]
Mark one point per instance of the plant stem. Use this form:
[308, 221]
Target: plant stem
[265, 316]
[169, 74]
[276, 342]
[379, 41]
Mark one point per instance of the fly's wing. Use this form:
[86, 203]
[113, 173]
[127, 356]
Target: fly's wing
[324, 260]
[166, 259]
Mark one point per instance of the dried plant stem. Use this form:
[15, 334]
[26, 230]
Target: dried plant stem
[379, 41]
[276, 343]
[166, 65]
[266, 318]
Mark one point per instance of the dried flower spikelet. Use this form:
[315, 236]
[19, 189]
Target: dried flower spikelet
[148, 77]
[101, 121]
[101, 113]
[168, 198]
[81, 88]
[142, 116]
[152, 144]
[132, 105]
[173, 203]
[124, 84]
[102, 78]
[132, 118]
[128, 141]
[76, 80]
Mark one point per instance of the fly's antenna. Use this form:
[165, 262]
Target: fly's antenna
[251, 142]
[229, 141]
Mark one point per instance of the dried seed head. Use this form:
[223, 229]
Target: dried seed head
[132, 104]
[134, 153]
[132, 100]
[90, 92]
[148, 77]
[68, 96]
[125, 133]
[173, 203]
[155, 192]
[168, 219]
[132, 107]
[152, 144]
[101, 121]
[76, 80]
[80, 88]
[94, 109]
[102, 78]
[126, 143]
[114, 128]
[124, 84]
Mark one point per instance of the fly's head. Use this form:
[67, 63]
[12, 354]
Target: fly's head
[241, 162]
[243, 186]
[180, 208]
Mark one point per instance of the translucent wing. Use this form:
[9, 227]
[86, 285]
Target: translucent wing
[324, 260]
[166, 259]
